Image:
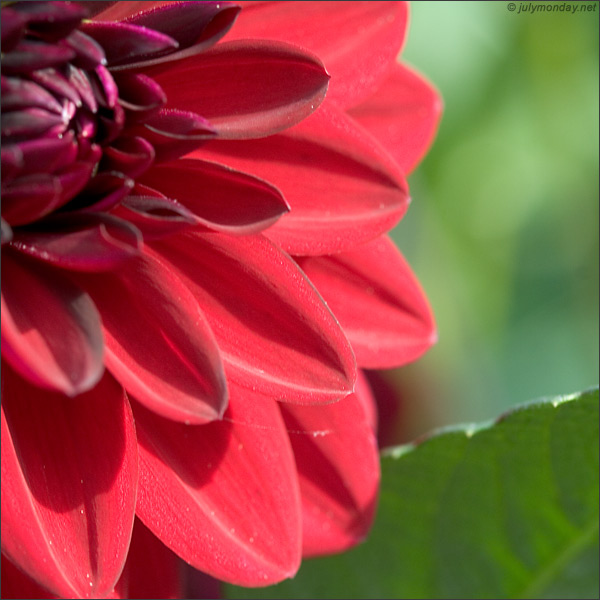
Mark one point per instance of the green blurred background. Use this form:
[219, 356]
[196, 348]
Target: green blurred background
[503, 228]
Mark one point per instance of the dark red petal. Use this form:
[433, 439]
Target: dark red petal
[138, 92]
[378, 301]
[343, 188]
[46, 155]
[357, 41]
[125, 43]
[174, 133]
[338, 469]
[151, 570]
[69, 479]
[153, 214]
[11, 163]
[131, 156]
[228, 201]
[232, 512]
[89, 53]
[54, 81]
[104, 191]
[51, 331]
[246, 89]
[30, 55]
[30, 198]
[157, 343]
[13, 28]
[51, 20]
[82, 242]
[199, 24]
[21, 93]
[15, 584]
[275, 333]
[30, 122]
[403, 115]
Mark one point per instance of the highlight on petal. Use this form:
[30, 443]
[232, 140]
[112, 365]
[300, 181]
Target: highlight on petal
[151, 570]
[378, 301]
[51, 330]
[357, 41]
[342, 187]
[158, 345]
[403, 114]
[338, 468]
[246, 89]
[232, 512]
[69, 477]
[228, 200]
[275, 333]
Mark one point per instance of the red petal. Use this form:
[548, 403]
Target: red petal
[151, 570]
[275, 333]
[69, 477]
[51, 330]
[15, 584]
[338, 468]
[232, 512]
[82, 242]
[245, 89]
[228, 201]
[378, 301]
[403, 115]
[357, 41]
[157, 344]
[343, 188]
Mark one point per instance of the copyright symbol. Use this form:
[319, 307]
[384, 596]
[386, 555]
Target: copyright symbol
[511, 6]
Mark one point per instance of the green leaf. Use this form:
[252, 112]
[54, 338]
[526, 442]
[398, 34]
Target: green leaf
[507, 509]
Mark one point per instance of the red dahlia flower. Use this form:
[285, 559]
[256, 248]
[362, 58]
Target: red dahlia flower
[194, 263]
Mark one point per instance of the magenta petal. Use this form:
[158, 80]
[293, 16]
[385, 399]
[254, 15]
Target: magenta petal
[51, 331]
[378, 301]
[246, 89]
[124, 43]
[338, 469]
[275, 333]
[69, 485]
[82, 242]
[228, 201]
[357, 41]
[157, 344]
[403, 115]
[342, 187]
[151, 570]
[11, 163]
[234, 511]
